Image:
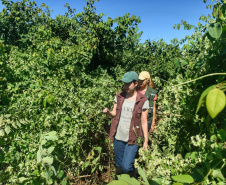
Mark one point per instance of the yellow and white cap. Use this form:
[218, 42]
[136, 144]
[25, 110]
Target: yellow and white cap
[143, 75]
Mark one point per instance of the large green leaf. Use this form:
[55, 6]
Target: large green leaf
[183, 178]
[126, 178]
[215, 30]
[215, 102]
[142, 174]
[203, 95]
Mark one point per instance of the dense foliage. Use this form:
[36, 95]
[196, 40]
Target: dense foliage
[57, 74]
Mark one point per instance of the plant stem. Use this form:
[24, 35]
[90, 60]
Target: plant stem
[212, 74]
[212, 170]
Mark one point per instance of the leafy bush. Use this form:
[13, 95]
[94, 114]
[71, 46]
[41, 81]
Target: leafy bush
[57, 74]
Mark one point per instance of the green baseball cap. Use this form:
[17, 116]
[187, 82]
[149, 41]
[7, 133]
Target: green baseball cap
[129, 77]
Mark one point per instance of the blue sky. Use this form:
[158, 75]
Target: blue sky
[158, 17]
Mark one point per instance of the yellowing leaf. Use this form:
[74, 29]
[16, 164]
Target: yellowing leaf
[215, 102]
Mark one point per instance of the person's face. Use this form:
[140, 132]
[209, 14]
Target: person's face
[143, 83]
[130, 87]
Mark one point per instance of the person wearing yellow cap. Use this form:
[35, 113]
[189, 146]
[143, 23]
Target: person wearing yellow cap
[144, 87]
[130, 112]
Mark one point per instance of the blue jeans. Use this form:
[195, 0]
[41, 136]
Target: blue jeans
[125, 155]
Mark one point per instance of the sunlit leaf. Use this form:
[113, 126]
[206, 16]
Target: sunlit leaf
[215, 30]
[22, 179]
[2, 133]
[201, 99]
[98, 149]
[215, 102]
[118, 182]
[50, 149]
[128, 179]
[47, 160]
[39, 157]
[43, 142]
[183, 178]
[7, 129]
[51, 136]
[218, 173]
[53, 169]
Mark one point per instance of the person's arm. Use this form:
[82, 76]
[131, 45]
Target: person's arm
[145, 127]
[112, 113]
[153, 119]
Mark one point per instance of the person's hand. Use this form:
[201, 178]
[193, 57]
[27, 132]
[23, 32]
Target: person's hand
[152, 127]
[145, 145]
[106, 111]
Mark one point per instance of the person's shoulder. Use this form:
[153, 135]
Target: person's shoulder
[121, 94]
[154, 91]
[142, 96]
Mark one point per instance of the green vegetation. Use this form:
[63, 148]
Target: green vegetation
[57, 74]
